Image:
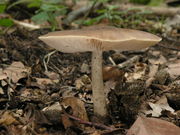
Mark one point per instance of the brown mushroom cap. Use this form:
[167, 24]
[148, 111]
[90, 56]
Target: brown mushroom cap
[99, 38]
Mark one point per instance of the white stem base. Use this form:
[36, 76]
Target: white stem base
[99, 98]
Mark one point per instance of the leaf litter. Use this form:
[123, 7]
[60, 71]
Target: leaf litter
[60, 100]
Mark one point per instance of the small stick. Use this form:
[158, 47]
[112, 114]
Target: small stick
[48, 58]
[129, 62]
[112, 61]
[97, 125]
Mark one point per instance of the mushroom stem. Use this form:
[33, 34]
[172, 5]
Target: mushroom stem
[99, 98]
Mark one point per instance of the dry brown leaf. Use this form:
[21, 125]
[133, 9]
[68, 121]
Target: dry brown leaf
[85, 68]
[53, 112]
[2, 75]
[153, 70]
[153, 126]
[96, 133]
[159, 106]
[77, 106]
[139, 72]
[174, 68]
[161, 60]
[66, 121]
[112, 73]
[83, 81]
[44, 81]
[1, 91]
[79, 84]
[108, 86]
[16, 71]
[7, 119]
[53, 76]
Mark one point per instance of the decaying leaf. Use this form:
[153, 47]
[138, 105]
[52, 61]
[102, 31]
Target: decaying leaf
[85, 68]
[161, 60]
[108, 86]
[53, 76]
[83, 81]
[53, 112]
[79, 84]
[2, 75]
[139, 72]
[7, 119]
[153, 126]
[112, 73]
[174, 68]
[44, 81]
[159, 106]
[66, 121]
[16, 71]
[77, 106]
[152, 73]
[1, 91]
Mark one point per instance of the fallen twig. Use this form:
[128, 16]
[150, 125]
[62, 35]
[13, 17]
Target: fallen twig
[129, 62]
[97, 125]
[166, 11]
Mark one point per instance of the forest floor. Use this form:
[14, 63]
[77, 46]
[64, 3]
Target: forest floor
[52, 97]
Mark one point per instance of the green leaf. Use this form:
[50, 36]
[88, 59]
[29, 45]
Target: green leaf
[50, 7]
[2, 8]
[141, 1]
[40, 17]
[94, 20]
[34, 3]
[6, 22]
[18, 2]
[156, 2]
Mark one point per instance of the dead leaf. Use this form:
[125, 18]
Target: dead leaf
[83, 81]
[79, 84]
[96, 133]
[174, 68]
[16, 71]
[112, 73]
[158, 107]
[108, 86]
[159, 61]
[53, 112]
[7, 119]
[53, 76]
[153, 126]
[44, 81]
[153, 70]
[85, 68]
[1, 91]
[2, 75]
[139, 72]
[77, 106]
[66, 121]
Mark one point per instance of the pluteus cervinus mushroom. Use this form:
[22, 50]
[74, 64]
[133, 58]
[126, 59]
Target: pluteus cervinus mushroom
[97, 40]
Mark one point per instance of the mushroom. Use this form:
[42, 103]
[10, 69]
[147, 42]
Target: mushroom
[97, 40]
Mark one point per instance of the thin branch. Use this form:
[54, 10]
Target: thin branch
[97, 125]
[166, 11]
